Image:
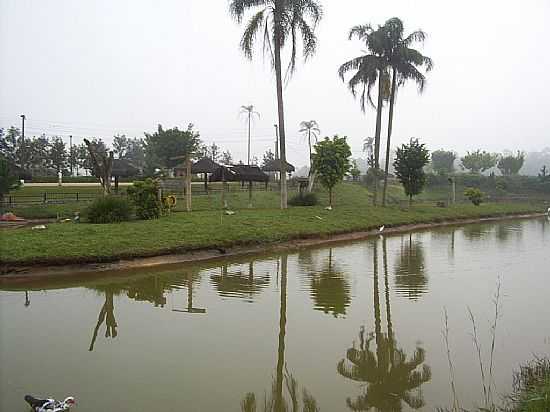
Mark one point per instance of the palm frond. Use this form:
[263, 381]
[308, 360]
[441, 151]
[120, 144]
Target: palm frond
[249, 36]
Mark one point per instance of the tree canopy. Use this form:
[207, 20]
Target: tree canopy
[331, 161]
[166, 144]
[443, 161]
[479, 161]
[409, 167]
[510, 164]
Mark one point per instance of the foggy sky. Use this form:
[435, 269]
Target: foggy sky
[93, 68]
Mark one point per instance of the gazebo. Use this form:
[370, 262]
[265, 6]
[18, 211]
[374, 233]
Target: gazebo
[239, 173]
[274, 165]
[123, 168]
[204, 166]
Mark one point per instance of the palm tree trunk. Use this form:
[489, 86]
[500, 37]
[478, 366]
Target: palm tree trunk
[377, 134]
[280, 106]
[388, 143]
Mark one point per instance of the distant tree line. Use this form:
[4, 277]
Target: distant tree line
[47, 156]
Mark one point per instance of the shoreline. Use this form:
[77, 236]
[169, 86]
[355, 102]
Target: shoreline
[60, 268]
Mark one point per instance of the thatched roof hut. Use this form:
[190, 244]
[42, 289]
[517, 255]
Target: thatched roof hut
[204, 165]
[275, 166]
[238, 173]
[123, 168]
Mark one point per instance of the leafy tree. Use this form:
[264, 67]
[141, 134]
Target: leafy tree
[8, 179]
[39, 153]
[331, 162]
[144, 195]
[479, 161]
[543, 175]
[355, 172]
[269, 156]
[279, 23]
[121, 145]
[135, 153]
[57, 154]
[73, 159]
[102, 164]
[85, 160]
[511, 165]
[368, 70]
[226, 158]
[405, 63]
[214, 151]
[443, 161]
[172, 145]
[166, 144]
[409, 167]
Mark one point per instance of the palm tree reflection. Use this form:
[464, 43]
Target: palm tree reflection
[390, 375]
[275, 401]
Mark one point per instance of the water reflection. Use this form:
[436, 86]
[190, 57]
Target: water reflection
[276, 401]
[239, 284]
[330, 290]
[410, 276]
[107, 315]
[189, 281]
[391, 377]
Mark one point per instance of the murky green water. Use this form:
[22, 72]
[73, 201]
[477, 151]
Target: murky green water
[352, 326]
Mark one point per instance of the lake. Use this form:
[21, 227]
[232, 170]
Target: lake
[346, 327]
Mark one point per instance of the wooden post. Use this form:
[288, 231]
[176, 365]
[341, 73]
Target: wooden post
[206, 183]
[250, 194]
[188, 184]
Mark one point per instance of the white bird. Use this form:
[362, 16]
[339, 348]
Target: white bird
[548, 211]
[381, 228]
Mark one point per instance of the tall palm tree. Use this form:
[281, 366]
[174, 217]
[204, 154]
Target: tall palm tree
[279, 23]
[250, 113]
[404, 63]
[369, 69]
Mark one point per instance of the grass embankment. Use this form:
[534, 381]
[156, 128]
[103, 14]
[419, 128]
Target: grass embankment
[75, 243]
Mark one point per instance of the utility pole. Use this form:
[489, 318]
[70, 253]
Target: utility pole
[249, 118]
[23, 117]
[71, 152]
[276, 141]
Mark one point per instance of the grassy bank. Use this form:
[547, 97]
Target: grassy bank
[68, 242]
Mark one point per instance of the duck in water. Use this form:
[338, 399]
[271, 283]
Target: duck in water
[49, 405]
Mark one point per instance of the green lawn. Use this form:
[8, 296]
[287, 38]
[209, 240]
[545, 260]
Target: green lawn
[68, 242]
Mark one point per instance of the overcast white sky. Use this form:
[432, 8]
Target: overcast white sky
[93, 68]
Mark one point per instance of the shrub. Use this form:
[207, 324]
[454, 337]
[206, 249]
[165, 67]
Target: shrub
[144, 196]
[109, 209]
[475, 195]
[304, 199]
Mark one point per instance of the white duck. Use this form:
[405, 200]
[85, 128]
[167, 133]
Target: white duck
[50, 404]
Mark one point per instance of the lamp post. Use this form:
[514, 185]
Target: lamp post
[23, 118]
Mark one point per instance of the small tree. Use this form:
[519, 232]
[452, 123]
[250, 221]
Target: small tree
[102, 163]
[479, 161]
[57, 154]
[474, 194]
[355, 172]
[409, 167]
[268, 157]
[331, 162]
[511, 165]
[443, 162]
[8, 179]
[226, 159]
